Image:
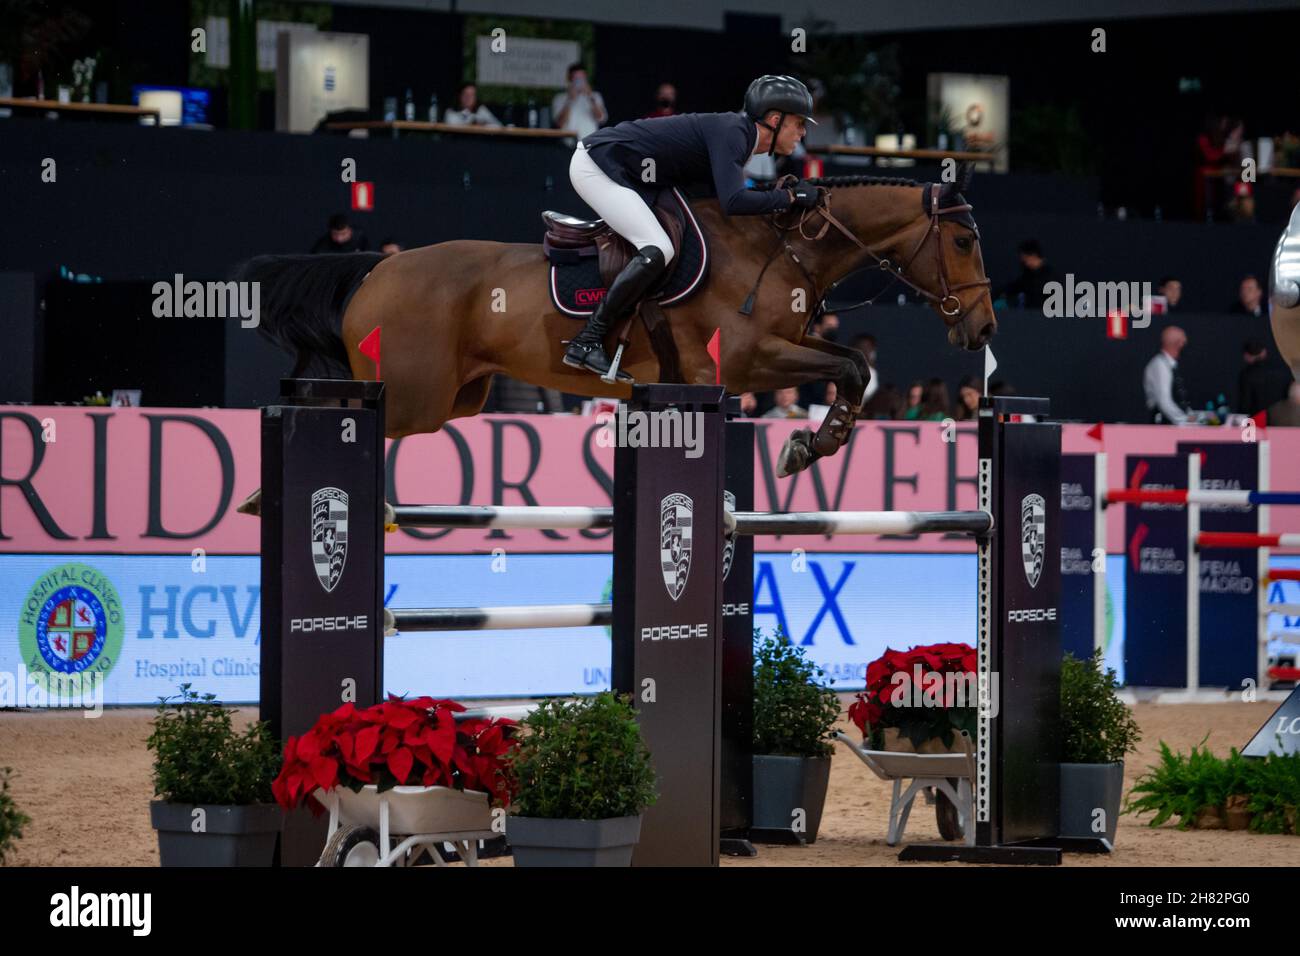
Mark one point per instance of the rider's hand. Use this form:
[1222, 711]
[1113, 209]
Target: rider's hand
[804, 195]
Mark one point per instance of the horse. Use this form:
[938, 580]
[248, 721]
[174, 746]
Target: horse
[454, 314]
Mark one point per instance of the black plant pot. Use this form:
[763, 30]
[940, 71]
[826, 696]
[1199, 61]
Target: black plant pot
[232, 836]
[1085, 788]
[782, 786]
[540, 842]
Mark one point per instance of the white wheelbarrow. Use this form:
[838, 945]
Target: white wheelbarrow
[363, 826]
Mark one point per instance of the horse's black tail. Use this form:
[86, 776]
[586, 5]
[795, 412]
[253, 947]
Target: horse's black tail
[301, 301]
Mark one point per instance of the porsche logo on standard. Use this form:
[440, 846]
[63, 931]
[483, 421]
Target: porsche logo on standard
[329, 535]
[729, 537]
[1033, 532]
[675, 523]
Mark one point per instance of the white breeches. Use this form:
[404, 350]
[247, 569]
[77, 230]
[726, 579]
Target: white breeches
[624, 210]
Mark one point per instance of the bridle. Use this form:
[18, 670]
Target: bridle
[930, 202]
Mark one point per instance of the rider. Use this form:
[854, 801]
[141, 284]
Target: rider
[619, 169]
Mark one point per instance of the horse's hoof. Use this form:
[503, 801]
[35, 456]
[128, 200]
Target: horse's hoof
[793, 458]
[252, 505]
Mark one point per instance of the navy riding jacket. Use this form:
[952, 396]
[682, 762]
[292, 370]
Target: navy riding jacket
[687, 149]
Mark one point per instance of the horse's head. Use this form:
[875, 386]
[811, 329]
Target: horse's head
[934, 249]
[945, 265]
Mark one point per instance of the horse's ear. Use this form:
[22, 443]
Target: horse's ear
[960, 184]
[965, 171]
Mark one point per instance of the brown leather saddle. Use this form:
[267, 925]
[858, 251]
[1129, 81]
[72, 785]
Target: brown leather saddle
[569, 233]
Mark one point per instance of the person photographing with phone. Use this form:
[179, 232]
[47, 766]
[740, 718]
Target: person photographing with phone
[579, 107]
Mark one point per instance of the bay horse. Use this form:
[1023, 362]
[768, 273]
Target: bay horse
[454, 314]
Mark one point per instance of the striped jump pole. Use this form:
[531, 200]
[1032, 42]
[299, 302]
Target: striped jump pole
[863, 522]
[1283, 574]
[518, 518]
[1241, 539]
[1289, 610]
[1182, 496]
[498, 618]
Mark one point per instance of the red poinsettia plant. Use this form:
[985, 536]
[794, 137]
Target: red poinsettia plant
[399, 742]
[925, 692]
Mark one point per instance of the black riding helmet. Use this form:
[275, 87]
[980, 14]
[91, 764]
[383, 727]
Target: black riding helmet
[785, 94]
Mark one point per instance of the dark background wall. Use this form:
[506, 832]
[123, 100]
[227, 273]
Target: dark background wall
[1140, 104]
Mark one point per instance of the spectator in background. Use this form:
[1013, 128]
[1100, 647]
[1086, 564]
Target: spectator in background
[341, 237]
[934, 403]
[1250, 299]
[748, 404]
[1025, 291]
[912, 404]
[665, 101]
[1166, 394]
[390, 247]
[468, 110]
[786, 405]
[1259, 385]
[866, 344]
[885, 405]
[968, 399]
[578, 107]
[1172, 290]
[826, 131]
[1286, 411]
[1216, 149]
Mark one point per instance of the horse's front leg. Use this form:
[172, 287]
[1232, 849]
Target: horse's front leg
[779, 363]
[849, 389]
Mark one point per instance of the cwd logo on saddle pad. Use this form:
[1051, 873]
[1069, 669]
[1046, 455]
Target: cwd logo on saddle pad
[1033, 533]
[590, 297]
[329, 535]
[675, 522]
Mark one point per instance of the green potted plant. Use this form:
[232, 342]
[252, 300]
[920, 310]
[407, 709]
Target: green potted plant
[584, 780]
[1098, 730]
[214, 805]
[12, 819]
[794, 726]
[1217, 793]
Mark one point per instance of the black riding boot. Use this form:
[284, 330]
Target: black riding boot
[587, 348]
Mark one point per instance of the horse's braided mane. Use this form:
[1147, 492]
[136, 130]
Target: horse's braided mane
[832, 181]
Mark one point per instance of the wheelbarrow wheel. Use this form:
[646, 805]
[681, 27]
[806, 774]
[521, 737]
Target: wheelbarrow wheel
[351, 846]
[945, 814]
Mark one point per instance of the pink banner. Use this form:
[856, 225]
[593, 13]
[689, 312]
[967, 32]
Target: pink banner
[167, 481]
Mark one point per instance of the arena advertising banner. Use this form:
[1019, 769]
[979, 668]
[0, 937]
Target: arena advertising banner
[142, 625]
[122, 555]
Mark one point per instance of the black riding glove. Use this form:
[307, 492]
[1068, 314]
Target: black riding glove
[804, 195]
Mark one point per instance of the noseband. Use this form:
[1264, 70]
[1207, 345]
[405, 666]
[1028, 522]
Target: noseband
[947, 291]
